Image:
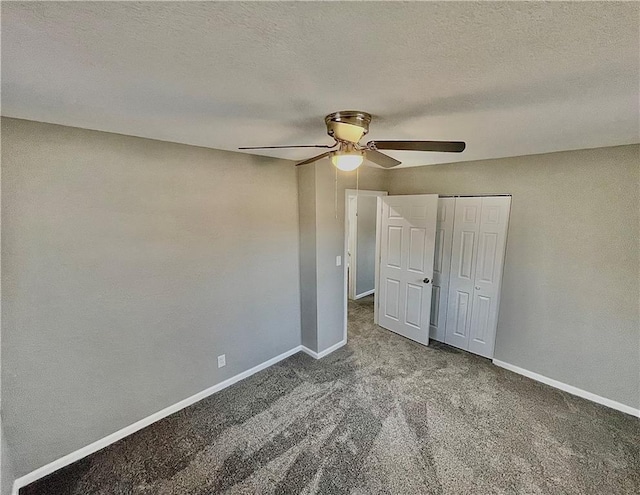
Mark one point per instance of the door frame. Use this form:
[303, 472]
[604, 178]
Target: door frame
[377, 272]
[347, 194]
[352, 242]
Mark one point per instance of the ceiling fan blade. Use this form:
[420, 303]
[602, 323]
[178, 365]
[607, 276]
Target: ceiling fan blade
[315, 158]
[293, 146]
[381, 159]
[442, 146]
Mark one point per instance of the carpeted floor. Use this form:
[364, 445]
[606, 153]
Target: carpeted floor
[383, 415]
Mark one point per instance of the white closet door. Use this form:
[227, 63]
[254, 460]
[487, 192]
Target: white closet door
[463, 268]
[492, 239]
[441, 264]
[477, 258]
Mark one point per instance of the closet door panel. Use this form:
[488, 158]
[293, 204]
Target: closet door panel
[466, 228]
[441, 266]
[492, 235]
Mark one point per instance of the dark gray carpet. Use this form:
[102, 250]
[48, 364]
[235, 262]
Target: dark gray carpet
[380, 416]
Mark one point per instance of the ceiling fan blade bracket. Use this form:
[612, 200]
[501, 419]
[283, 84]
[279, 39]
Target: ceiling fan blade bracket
[371, 145]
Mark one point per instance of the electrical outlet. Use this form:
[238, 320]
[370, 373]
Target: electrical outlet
[222, 360]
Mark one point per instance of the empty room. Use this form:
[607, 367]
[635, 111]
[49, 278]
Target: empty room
[320, 248]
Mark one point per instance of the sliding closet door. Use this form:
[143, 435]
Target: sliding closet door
[441, 263]
[463, 268]
[492, 240]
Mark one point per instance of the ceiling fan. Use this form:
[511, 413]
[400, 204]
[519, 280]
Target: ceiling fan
[347, 129]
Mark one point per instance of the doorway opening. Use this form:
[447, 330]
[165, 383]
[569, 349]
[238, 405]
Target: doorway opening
[361, 230]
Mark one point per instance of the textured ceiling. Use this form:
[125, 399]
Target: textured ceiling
[508, 78]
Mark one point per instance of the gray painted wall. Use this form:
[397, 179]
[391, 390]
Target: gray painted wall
[366, 244]
[330, 243]
[569, 307]
[308, 278]
[328, 224]
[6, 465]
[128, 265]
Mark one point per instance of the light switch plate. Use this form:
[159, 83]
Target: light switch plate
[338, 260]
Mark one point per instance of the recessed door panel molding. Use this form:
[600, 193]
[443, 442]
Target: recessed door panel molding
[394, 211]
[413, 308]
[392, 301]
[441, 267]
[417, 239]
[487, 256]
[480, 319]
[407, 251]
[467, 250]
[491, 215]
[479, 233]
[462, 315]
[470, 213]
[418, 211]
[437, 261]
[394, 246]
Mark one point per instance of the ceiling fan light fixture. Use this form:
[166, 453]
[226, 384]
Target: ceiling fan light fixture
[347, 128]
[347, 161]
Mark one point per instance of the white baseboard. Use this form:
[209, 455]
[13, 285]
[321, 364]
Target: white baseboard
[364, 294]
[326, 352]
[138, 425]
[569, 388]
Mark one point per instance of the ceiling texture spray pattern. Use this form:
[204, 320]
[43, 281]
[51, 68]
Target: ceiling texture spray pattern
[509, 78]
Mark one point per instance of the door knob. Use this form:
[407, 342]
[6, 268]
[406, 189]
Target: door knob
[426, 280]
[477, 288]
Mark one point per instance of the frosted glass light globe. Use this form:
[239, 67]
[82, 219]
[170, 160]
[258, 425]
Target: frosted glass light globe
[346, 162]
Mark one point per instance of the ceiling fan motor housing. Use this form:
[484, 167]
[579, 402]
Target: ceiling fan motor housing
[349, 125]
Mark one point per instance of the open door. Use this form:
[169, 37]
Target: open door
[407, 245]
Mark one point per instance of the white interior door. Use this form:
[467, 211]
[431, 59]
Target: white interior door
[441, 264]
[479, 240]
[407, 245]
